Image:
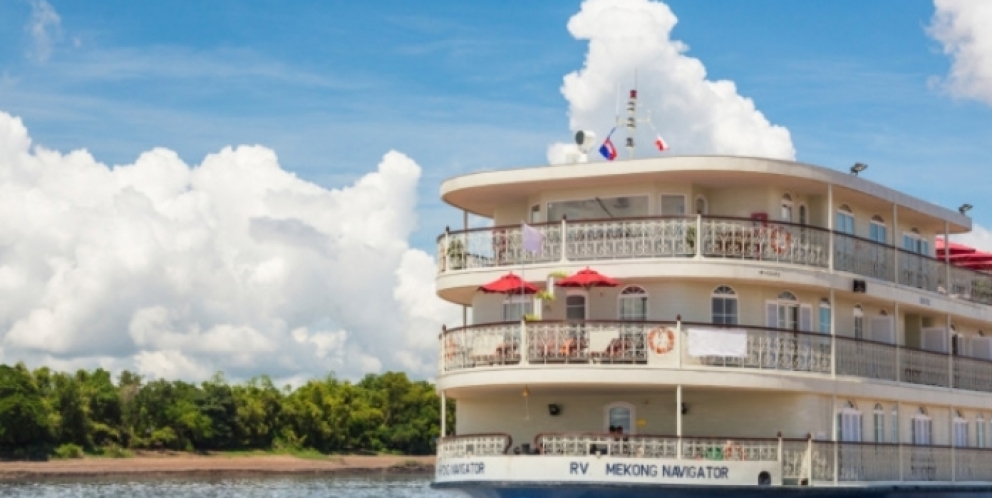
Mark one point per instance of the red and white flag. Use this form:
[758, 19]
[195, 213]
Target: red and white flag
[660, 144]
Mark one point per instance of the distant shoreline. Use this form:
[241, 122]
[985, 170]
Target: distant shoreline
[218, 465]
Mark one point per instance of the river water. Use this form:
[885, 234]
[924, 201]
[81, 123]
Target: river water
[274, 487]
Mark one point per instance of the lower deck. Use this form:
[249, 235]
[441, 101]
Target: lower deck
[712, 437]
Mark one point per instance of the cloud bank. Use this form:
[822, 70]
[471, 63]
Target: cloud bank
[693, 114]
[234, 264]
[964, 28]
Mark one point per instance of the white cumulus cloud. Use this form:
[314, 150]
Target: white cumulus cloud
[693, 114]
[234, 264]
[964, 28]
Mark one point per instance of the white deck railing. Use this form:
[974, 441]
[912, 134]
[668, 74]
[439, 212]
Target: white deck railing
[602, 342]
[805, 462]
[473, 445]
[708, 237]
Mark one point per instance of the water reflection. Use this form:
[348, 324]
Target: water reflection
[206, 487]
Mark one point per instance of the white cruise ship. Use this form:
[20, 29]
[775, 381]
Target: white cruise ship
[746, 326]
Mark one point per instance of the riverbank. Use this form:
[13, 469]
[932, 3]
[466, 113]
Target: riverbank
[220, 464]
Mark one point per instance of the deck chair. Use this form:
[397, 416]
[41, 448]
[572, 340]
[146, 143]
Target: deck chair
[600, 342]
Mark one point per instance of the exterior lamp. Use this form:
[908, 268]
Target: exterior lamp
[858, 168]
[965, 208]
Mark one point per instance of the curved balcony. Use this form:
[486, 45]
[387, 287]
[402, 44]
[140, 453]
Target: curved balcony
[708, 237]
[687, 345]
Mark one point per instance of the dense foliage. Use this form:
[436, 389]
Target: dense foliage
[45, 412]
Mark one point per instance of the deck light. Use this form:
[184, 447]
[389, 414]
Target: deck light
[858, 168]
[965, 208]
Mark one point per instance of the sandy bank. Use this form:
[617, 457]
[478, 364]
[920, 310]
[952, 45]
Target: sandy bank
[219, 464]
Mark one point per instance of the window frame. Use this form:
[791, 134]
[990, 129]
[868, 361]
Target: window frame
[631, 410]
[625, 295]
[844, 211]
[724, 296]
[661, 203]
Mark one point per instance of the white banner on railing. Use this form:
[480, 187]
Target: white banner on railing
[717, 342]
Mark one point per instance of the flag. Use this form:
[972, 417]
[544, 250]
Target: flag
[608, 150]
[533, 238]
[660, 144]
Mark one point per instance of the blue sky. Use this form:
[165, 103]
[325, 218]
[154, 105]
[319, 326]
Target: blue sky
[331, 86]
[235, 264]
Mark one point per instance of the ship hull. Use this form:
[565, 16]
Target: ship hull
[575, 490]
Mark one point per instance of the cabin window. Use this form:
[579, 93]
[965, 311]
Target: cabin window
[803, 216]
[824, 316]
[849, 423]
[879, 416]
[877, 231]
[599, 208]
[633, 304]
[515, 307]
[619, 414]
[575, 307]
[960, 425]
[724, 306]
[912, 241]
[845, 220]
[672, 205]
[787, 313]
[701, 207]
[980, 431]
[787, 208]
[922, 428]
[859, 322]
[535, 213]
[895, 425]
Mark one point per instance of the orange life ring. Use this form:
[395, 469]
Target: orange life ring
[655, 343]
[733, 450]
[780, 240]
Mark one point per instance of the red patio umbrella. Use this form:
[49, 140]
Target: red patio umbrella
[588, 278]
[509, 284]
[952, 247]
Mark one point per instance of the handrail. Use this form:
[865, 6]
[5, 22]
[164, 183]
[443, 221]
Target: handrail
[676, 237]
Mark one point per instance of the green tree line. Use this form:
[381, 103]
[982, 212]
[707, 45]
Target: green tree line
[43, 411]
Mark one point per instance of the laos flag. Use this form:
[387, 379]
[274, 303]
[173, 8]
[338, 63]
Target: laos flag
[608, 150]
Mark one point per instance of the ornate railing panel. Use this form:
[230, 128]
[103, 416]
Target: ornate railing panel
[771, 349]
[496, 247]
[730, 449]
[870, 360]
[864, 257]
[867, 462]
[765, 241]
[972, 464]
[630, 238]
[922, 272]
[473, 445]
[970, 285]
[587, 341]
[923, 367]
[972, 374]
[926, 463]
[607, 444]
[480, 345]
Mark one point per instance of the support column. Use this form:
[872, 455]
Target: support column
[900, 339]
[895, 242]
[678, 420]
[464, 220]
[833, 415]
[444, 415]
[564, 240]
[699, 236]
[953, 445]
[950, 351]
[833, 335]
[947, 260]
[464, 316]
[830, 226]
[899, 437]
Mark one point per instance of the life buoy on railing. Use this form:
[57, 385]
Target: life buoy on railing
[733, 451]
[659, 345]
[780, 240]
